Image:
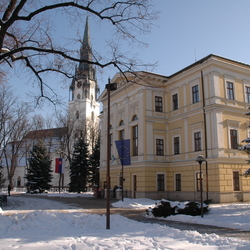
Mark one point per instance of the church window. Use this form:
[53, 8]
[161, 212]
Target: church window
[135, 117]
[78, 96]
[91, 101]
[121, 123]
[79, 85]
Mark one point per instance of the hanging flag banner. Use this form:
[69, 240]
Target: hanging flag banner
[60, 165]
[123, 148]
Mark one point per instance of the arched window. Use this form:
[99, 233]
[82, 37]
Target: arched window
[77, 114]
[121, 123]
[135, 117]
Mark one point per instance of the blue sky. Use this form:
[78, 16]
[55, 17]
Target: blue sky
[186, 31]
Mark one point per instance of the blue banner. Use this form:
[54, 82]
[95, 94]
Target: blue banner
[123, 148]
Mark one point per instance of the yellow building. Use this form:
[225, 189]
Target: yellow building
[170, 120]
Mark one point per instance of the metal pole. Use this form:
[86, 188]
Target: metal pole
[201, 192]
[122, 182]
[108, 162]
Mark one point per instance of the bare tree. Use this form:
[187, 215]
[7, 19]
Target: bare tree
[14, 125]
[27, 35]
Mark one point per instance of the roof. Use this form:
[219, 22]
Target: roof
[43, 133]
[205, 59]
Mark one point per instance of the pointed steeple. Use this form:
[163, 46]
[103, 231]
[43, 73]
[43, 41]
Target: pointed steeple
[85, 69]
[85, 74]
[86, 50]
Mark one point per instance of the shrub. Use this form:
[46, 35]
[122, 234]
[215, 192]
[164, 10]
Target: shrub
[163, 210]
[193, 208]
[167, 208]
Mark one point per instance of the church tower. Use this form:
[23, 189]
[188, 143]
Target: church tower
[83, 105]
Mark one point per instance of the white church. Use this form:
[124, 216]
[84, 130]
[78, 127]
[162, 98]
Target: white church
[83, 112]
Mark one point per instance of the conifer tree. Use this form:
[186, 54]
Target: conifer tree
[79, 167]
[2, 180]
[39, 172]
[246, 148]
[95, 163]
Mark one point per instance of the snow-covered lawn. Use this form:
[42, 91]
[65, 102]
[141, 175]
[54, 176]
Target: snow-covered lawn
[40, 228]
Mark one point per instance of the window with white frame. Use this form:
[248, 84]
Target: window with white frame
[177, 182]
[159, 147]
[160, 182]
[121, 134]
[177, 145]
[233, 139]
[158, 103]
[197, 141]
[195, 93]
[135, 140]
[175, 101]
[247, 94]
[236, 181]
[230, 90]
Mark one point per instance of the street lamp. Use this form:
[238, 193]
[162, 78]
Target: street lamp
[200, 159]
[109, 87]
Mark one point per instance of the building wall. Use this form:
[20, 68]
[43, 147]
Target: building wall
[221, 115]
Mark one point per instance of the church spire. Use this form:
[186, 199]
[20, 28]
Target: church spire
[86, 50]
[85, 69]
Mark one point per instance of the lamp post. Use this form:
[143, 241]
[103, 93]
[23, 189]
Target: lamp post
[200, 159]
[109, 87]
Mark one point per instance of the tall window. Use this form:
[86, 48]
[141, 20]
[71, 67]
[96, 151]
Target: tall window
[160, 182]
[159, 147]
[175, 101]
[135, 140]
[77, 114]
[197, 141]
[230, 90]
[236, 180]
[248, 94]
[195, 93]
[233, 138]
[121, 134]
[199, 179]
[178, 182]
[176, 145]
[158, 103]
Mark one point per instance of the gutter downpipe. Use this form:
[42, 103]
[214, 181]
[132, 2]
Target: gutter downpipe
[205, 131]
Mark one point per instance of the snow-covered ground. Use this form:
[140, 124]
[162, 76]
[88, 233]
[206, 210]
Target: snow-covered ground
[32, 224]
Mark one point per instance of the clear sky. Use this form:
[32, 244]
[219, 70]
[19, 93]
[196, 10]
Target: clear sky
[186, 31]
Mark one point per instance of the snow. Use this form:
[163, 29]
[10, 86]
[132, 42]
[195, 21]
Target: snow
[33, 223]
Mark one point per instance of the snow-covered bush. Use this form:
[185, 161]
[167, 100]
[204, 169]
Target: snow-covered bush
[167, 208]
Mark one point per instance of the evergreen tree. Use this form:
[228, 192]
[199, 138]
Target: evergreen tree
[246, 148]
[79, 167]
[39, 172]
[2, 180]
[95, 163]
